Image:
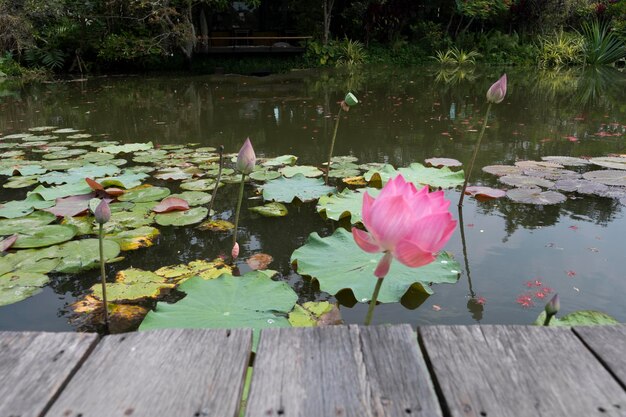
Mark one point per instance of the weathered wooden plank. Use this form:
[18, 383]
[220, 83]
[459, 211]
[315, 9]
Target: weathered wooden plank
[519, 371]
[35, 366]
[176, 372]
[609, 344]
[340, 371]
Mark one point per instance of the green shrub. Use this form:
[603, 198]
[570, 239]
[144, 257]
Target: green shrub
[456, 56]
[562, 49]
[601, 46]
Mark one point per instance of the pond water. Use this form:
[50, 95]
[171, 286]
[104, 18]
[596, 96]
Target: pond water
[575, 248]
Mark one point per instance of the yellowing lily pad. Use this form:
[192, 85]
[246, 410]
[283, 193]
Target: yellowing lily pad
[141, 237]
[216, 225]
[201, 268]
[131, 285]
[270, 210]
[314, 313]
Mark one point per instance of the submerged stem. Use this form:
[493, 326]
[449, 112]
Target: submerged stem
[219, 177]
[370, 310]
[476, 148]
[243, 179]
[332, 145]
[103, 276]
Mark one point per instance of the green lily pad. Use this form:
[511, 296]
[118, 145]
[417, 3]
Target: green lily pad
[252, 300]
[124, 220]
[126, 180]
[314, 313]
[23, 170]
[20, 208]
[60, 165]
[131, 285]
[127, 148]
[286, 189]
[281, 160]
[64, 154]
[200, 268]
[66, 130]
[417, 174]
[82, 255]
[525, 181]
[45, 236]
[338, 263]
[270, 210]
[306, 170]
[65, 190]
[84, 224]
[182, 218]
[199, 185]
[578, 318]
[194, 198]
[78, 174]
[141, 237]
[20, 182]
[348, 203]
[26, 223]
[19, 285]
[145, 194]
[343, 173]
[264, 175]
[41, 261]
[42, 128]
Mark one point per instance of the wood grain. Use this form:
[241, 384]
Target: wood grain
[519, 371]
[609, 345]
[174, 372]
[34, 367]
[340, 371]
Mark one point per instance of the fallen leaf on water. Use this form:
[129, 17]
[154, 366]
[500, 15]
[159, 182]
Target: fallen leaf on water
[7, 243]
[570, 273]
[259, 261]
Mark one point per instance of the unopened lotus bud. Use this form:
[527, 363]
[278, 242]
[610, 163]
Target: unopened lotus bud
[246, 158]
[102, 212]
[553, 306]
[497, 91]
[235, 251]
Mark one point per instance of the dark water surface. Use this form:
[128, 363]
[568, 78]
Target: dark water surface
[405, 115]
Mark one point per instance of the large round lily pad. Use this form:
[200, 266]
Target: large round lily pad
[206, 184]
[581, 186]
[567, 161]
[132, 284]
[613, 162]
[26, 223]
[252, 300]
[306, 170]
[82, 255]
[535, 196]
[285, 190]
[502, 170]
[524, 181]
[338, 263]
[145, 194]
[45, 236]
[182, 218]
[607, 177]
[194, 198]
[19, 285]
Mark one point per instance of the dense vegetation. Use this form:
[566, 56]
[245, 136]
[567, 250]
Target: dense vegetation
[70, 36]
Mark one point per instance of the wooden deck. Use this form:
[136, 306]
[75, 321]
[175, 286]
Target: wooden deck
[339, 371]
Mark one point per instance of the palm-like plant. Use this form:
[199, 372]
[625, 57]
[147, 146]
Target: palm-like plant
[456, 56]
[602, 47]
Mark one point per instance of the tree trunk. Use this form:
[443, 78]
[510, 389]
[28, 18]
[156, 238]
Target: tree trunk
[328, 9]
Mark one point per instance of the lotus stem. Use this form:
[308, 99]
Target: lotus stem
[243, 179]
[476, 148]
[546, 321]
[465, 258]
[332, 144]
[103, 275]
[370, 310]
[219, 177]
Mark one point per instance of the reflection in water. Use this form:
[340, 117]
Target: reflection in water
[404, 116]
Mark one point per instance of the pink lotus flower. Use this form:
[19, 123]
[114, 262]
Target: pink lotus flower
[406, 224]
[246, 158]
[497, 91]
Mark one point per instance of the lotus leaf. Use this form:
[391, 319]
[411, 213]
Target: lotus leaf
[613, 162]
[552, 174]
[484, 192]
[581, 186]
[270, 210]
[348, 203]
[194, 198]
[141, 237]
[443, 162]
[417, 174]
[607, 177]
[355, 181]
[31, 260]
[287, 189]
[145, 194]
[126, 148]
[126, 180]
[566, 160]
[83, 224]
[64, 154]
[45, 236]
[20, 182]
[5, 244]
[264, 175]
[131, 285]
[19, 285]
[502, 170]
[216, 225]
[20, 208]
[171, 204]
[66, 130]
[281, 160]
[80, 136]
[314, 313]
[524, 181]
[252, 300]
[82, 255]
[213, 169]
[343, 159]
[61, 165]
[78, 174]
[535, 196]
[29, 222]
[201, 268]
[41, 128]
[17, 136]
[66, 190]
[45, 149]
[306, 170]
[23, 170]
[338, 263]
[12, 154]
[124, 220]
[71, 206]
[39, 143]
[578, 318]
[182, 218]
[199, 185]
[174, 173]
[259, 261]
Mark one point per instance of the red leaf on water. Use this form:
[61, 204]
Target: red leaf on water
[114, 192]
[573, 227]
[171, 204]
[71, 206]
[96, 186]
[7, 243]
[525, 301]
[570, 273]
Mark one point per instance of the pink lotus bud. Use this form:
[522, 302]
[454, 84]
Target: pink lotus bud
[553, 305]
[235, 251]
[382, 269]
[102, 212]
[246, 158]
[497, 91]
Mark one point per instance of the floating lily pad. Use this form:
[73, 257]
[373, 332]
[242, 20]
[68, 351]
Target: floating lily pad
[551, 174]
[66, 130]
[270, 210]
[578, 318]
[141, 237]
[171, 204]
[23, 170]
[126, 148]
[5, 244]
[607, 177]
[535, 196]
[314, 313]
[484, 192]
[306, 170]
[173, 173]
[41, 128]
[84, 224]
[26, 223]
[44, 236]
[66, 190]
[613, 162]
[502, 170]
[131, 285]
[216, 225]
[443, 162]
[182, 218]
[343, 173]
[82, 255]
[19, 285]
[264, 175]
[71, 206]
[538, 165]
[566, 161]
[252, 300]
[525, 182]
[201, 268]
[20, 182]
[338, 263]
[78, 174]
[417, 174]
[581, 186]
[127, 180]
[305, 189]
[64, 154]
[194, 198]
[281, 160]
[348, 203]
[124, 220]
[199, 185]
[145, 194]
[20, 208]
